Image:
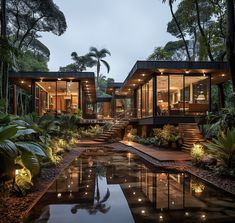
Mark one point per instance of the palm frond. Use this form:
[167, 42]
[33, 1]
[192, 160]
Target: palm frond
[106, 65]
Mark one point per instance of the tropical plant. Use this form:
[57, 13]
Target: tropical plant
[197, 153]
[221, 121]
[92, 131]
[8, 151]
[223, 148]
[98, 59]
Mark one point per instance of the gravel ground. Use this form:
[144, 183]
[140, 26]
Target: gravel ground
[13, 208]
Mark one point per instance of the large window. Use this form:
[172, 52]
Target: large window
[162, 95]
[139, 103]
[196, 95]
[176, 94]
[182, 95]
[56, 96]
[147, 99]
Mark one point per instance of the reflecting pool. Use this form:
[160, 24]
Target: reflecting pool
[108, 186]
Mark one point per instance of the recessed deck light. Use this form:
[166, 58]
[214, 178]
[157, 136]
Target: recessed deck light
[59, 79]
[187, 71]
[143, 211]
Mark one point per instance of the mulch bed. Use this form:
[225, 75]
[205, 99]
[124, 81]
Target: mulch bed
[13, 208]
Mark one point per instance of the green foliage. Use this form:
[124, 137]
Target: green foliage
[92, 131]
[31, 162]
[221, 121]
[223, 148]
[30, 62]
[160, 53]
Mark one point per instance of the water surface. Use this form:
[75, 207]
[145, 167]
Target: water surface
[107, 186]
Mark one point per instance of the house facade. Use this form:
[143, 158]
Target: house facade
[154, 92]
[56, 92]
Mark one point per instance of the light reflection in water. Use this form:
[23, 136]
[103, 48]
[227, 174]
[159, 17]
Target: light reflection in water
[106, 186]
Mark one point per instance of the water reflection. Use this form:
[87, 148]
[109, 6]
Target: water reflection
[106, 186]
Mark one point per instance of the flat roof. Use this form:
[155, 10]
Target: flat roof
[142, 70]
[87, 79]
[51, 75]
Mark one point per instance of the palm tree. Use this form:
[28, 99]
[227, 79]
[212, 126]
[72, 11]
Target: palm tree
[98, 59]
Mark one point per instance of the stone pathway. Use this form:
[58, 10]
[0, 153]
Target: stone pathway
[159, 154]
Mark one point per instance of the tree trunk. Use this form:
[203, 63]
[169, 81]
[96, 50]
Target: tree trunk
[181, 33]
[98, 72]
[3, 36]
[205, 40]
[231, 40]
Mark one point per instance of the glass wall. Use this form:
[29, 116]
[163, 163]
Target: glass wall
[197, 97]
[162, 95]
[56, 96]
[182, 95]
[176, 94]
[147, 99]
[139, 103]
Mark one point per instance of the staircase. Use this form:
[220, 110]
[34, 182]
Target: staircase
[113, 131]
[190, 134]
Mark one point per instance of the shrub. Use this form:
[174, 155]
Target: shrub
[197, 153]
[92, 131]
[223, 148]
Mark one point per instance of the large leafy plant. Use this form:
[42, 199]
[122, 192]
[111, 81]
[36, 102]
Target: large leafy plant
[223, 148]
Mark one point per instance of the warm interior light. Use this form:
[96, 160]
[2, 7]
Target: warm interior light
[59, 79]
[22, 82]
[223, 75]
[59, 195]
[143, 211]
[143, 75]
[201, 97]
[139, 80]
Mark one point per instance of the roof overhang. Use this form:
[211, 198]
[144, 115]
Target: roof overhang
[86, 79]
[143, 70]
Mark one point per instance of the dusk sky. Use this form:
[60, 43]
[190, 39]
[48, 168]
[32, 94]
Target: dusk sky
[130, 29]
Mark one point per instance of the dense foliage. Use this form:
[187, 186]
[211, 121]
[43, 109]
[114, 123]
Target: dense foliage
[29, 143]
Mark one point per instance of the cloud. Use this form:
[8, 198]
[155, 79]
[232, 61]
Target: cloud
[130, 29]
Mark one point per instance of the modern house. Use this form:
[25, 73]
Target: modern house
[154, 93]
[57, 92]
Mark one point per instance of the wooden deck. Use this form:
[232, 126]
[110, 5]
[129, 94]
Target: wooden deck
[159, 154]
